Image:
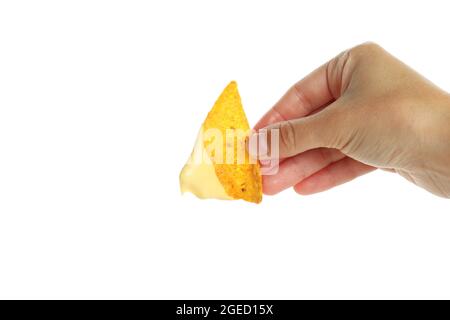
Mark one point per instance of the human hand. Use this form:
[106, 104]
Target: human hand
[362, 110]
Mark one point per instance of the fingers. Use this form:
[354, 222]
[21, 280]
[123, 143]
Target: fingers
[335, 174]
[315, 91]
[326, 129]
[300, 125]
[297, 168]
[307, 95]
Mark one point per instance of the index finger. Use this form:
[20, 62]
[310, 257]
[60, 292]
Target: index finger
[309, 94]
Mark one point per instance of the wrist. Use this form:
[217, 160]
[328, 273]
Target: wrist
[446, 125]
[431, 132]
[438, 144]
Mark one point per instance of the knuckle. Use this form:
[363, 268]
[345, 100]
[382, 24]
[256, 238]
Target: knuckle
[368, 46]
[339, 133]
[338, 74]
[366, 49]
[287, 137]
[303, 101]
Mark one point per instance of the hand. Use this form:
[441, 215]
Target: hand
[362, 110]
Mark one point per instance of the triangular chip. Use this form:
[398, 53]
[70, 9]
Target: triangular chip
[224, 134]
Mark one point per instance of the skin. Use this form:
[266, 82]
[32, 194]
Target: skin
[362, 110]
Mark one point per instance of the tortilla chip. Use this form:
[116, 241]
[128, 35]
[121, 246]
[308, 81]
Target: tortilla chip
[240, 178]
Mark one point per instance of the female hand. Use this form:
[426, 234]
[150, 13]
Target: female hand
[362, 110]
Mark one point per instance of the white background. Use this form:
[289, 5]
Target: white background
[100, 103]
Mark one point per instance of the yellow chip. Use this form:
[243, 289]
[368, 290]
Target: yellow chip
[241, 177]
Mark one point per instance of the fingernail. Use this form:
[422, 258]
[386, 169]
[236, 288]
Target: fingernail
[262, 145]
[258, 145]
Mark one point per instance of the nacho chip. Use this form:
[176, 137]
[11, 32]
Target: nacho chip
[240, 177]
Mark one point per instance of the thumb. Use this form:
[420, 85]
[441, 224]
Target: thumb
[288, 138]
